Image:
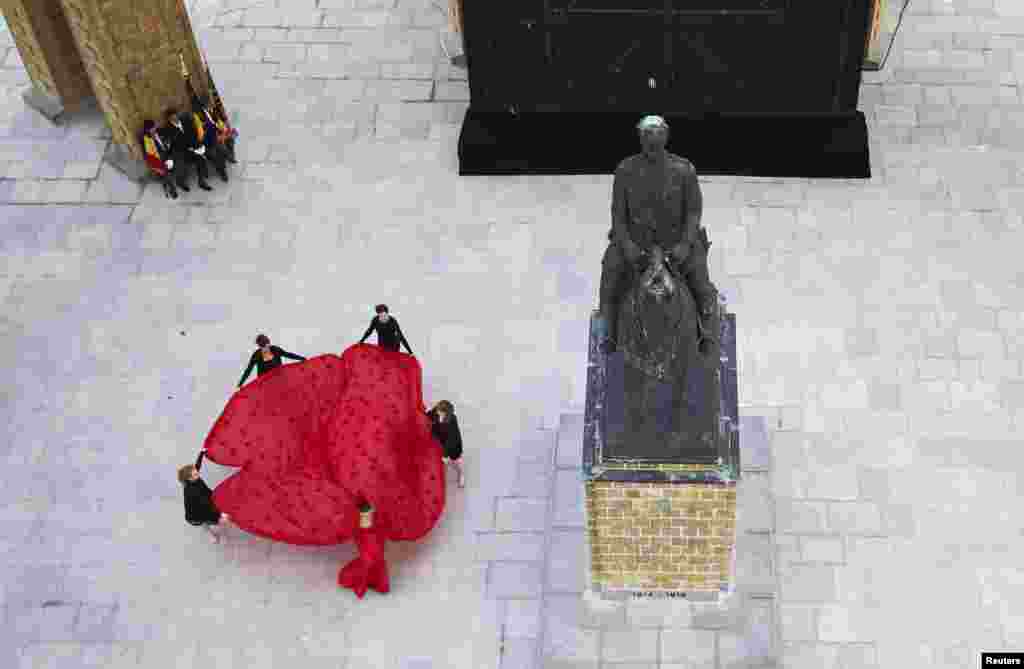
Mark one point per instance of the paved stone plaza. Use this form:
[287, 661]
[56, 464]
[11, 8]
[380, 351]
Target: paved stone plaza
[879, 327]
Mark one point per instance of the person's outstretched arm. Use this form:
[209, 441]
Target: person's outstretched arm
[248, 370]
[401, 338]
[285, 354]
[199, 460]
[369, 330]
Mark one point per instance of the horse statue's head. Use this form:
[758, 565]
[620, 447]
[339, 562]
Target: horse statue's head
[658, 279]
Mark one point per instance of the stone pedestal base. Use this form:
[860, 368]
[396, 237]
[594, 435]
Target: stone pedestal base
[47, 105]
[123, 161]
[665, 527]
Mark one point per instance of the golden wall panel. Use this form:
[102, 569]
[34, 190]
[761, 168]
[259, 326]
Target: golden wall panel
[43, 38]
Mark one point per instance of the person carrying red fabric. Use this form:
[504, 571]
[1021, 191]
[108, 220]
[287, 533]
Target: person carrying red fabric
[389, 334]
[200, 509]
[266, 358]
[445, 428]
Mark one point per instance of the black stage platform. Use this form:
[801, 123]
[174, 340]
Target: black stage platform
[829, 145]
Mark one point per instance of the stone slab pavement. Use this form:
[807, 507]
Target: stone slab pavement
[880, 342]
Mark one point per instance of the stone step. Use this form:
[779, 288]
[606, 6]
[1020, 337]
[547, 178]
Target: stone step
[532, 479]
[755, 449]
[755, 569]
[567, 510]
[754, 504]
[569, 450]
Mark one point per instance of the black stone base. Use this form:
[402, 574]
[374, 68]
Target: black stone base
[793, 145]
[614, 449]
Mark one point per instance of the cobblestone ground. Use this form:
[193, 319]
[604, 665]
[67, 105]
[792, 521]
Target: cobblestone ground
[880, 342]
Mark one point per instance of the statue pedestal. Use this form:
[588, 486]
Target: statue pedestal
[662, 527]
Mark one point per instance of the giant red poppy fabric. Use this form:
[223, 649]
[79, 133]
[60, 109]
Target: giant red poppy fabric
[314, 439]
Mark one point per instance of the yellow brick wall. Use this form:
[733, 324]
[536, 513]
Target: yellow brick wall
[661, 536]
[41, 34]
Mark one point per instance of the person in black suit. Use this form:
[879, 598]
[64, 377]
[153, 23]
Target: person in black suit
[181, 134]
[216, 153]
[389, 334]
[266, 358]
[200, 509]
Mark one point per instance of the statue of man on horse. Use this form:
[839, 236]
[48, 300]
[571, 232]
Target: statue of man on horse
[657, 301]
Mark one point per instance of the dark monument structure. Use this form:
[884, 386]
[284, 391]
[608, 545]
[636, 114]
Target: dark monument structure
[753, 87]
[661, 439]
[658, 305]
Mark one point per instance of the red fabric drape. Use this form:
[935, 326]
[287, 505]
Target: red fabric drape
[312, 439]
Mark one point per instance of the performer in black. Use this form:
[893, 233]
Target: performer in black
[216, 152]
[266, 358]
[445, 428]
[199, 507]
[181, 134]
[389, 334]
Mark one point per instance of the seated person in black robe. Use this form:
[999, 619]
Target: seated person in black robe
[216, 152]
[182, 136]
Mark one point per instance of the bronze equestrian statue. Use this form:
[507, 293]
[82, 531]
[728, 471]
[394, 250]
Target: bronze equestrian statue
[657, 301]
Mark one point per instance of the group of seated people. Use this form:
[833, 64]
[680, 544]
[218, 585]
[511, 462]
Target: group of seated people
[187, 141]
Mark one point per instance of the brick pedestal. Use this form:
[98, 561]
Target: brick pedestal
[662, 539]
[661, 529]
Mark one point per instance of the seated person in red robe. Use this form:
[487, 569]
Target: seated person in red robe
[158, 158]
[315, 441]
